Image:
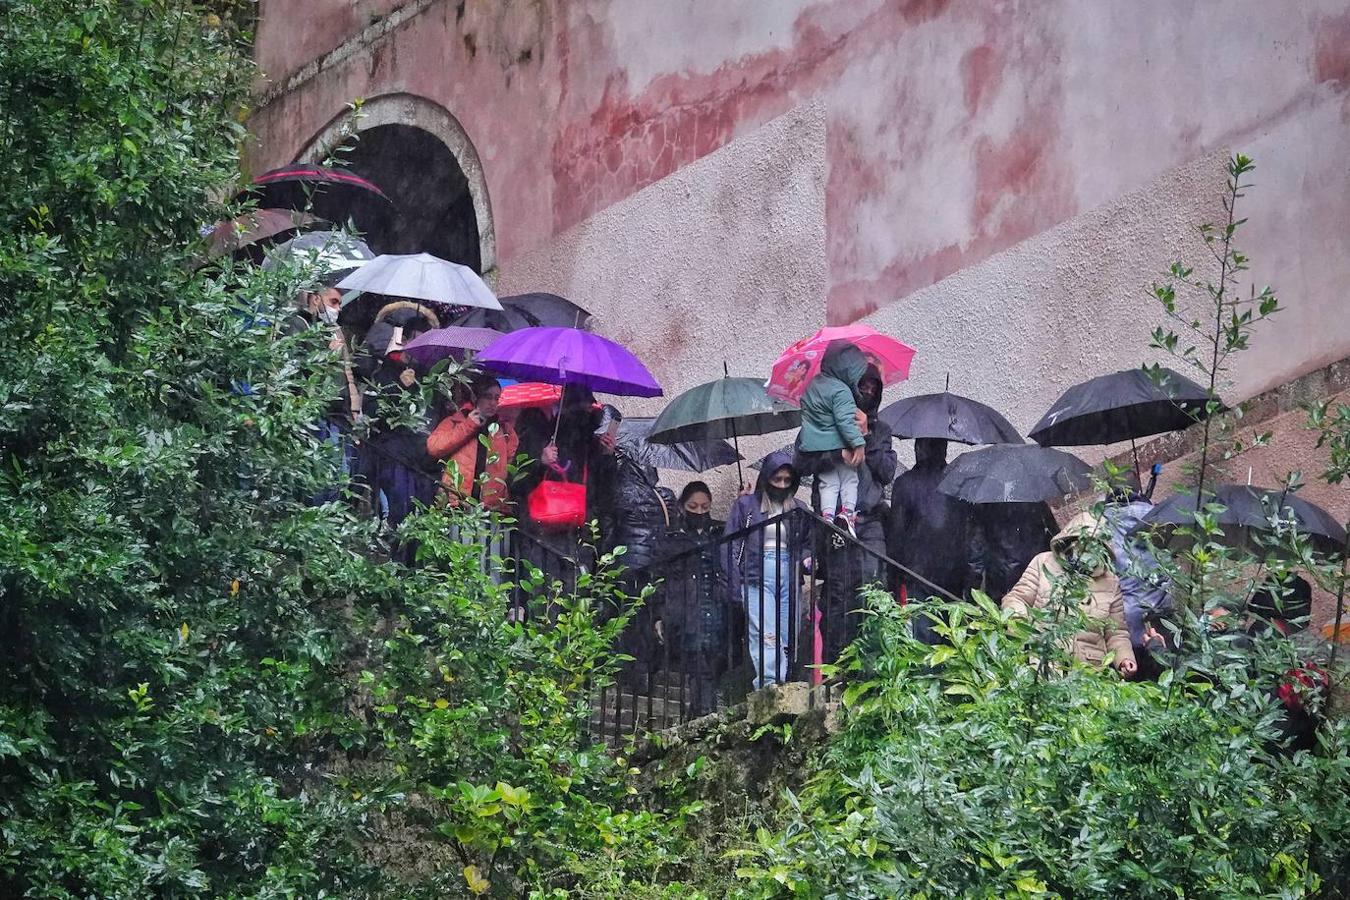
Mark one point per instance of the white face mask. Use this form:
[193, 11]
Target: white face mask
[328, 315]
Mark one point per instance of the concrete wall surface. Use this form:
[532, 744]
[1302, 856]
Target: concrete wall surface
[996, 183]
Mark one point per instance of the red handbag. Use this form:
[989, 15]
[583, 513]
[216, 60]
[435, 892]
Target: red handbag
[558, 505]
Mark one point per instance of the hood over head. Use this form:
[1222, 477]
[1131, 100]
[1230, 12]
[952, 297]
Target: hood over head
[772, 463]
[930, 453]
[870, 405]
[1084, 526]
[844, 361]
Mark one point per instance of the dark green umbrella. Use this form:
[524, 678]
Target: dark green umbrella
[725, 408]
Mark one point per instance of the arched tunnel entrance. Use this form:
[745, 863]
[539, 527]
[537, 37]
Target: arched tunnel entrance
[434, 210]
[418, 154]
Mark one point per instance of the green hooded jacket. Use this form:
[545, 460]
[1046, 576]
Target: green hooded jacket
[828, 404]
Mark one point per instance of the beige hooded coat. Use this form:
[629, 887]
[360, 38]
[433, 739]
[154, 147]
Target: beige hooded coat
[1103, 604]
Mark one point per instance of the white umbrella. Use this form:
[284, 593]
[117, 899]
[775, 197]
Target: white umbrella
[421, 276]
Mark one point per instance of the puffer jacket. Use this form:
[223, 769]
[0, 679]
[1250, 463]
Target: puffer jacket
[830, 401]
[1102, 604]
[643, 513]
[457, 438]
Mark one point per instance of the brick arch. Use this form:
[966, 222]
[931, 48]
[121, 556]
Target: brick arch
[418, 112]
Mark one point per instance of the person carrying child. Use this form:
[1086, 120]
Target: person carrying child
[833, 438]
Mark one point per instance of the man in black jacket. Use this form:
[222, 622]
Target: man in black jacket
[848, 566]
[930, 531]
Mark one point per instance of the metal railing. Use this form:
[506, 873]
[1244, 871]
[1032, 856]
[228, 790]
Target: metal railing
[767, 604]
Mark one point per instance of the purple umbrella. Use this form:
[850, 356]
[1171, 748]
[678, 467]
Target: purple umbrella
[569, 356]
[435, 345]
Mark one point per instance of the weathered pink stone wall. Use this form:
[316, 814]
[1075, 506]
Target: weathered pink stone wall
[954, 132]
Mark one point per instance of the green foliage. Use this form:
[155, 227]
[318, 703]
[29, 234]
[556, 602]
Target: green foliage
[959, 772]
[209, 687]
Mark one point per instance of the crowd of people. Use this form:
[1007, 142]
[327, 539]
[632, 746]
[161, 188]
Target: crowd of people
[729, 592]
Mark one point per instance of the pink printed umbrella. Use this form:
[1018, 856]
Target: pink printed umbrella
[799, 363]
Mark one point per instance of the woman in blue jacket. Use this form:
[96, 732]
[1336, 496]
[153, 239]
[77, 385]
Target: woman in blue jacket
[762, 566]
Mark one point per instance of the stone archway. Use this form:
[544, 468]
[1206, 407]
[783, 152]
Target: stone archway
[437, 144]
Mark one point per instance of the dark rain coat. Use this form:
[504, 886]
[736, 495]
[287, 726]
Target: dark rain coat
[743, 558]
[830, 401]
[643, 513]
[1005, 538]
[929, 531]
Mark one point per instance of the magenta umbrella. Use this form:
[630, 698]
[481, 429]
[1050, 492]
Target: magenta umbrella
[569, 356]
[798, 364]
[453, 341]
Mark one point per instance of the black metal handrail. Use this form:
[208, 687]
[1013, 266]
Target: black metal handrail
[716, 626]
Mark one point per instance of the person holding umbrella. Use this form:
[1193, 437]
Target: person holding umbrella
[850, 566]
[394, 456]
[479, 444]
[930, 532]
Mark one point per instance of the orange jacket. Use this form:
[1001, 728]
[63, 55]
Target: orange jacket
[456, 438]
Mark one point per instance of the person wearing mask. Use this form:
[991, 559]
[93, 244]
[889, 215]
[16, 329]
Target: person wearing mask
[1280, 611]
[395, 458]
[692, 617]
[762, 566]
[479, 445]
[929, 532]
[852, 567]
[318, 309]
[831, 443]
[569, 445]
[1077, 571]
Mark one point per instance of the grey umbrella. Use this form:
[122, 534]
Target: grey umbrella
[949, 417]
[1015, 473]
[421, 276]
[1249, 509]
[331, 255]
[686, 456]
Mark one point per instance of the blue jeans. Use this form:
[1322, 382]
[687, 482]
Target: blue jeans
[767, 602]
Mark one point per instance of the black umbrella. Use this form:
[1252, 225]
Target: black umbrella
[687, 456]
[1248, 509]
[332, 194]
[1122, 406]
[949, 417]
[1015, 473]
[725, 408]
[527, 311]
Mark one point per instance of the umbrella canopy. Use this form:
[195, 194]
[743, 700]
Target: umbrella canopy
[686, 456]
[1248, 509]
[331, 194]
[1122, 406]
[799, 363]
[1015, 473]
[421, 276]
[725, 408]
[949, 417]
[528, 311]
[451, 342]
[255, 227]
[569, 356]
[332, 254]
[529, 395]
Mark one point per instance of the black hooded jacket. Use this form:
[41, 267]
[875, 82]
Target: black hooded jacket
[643, 513]
[929, 531]
[880, 462]
[1005, 538]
